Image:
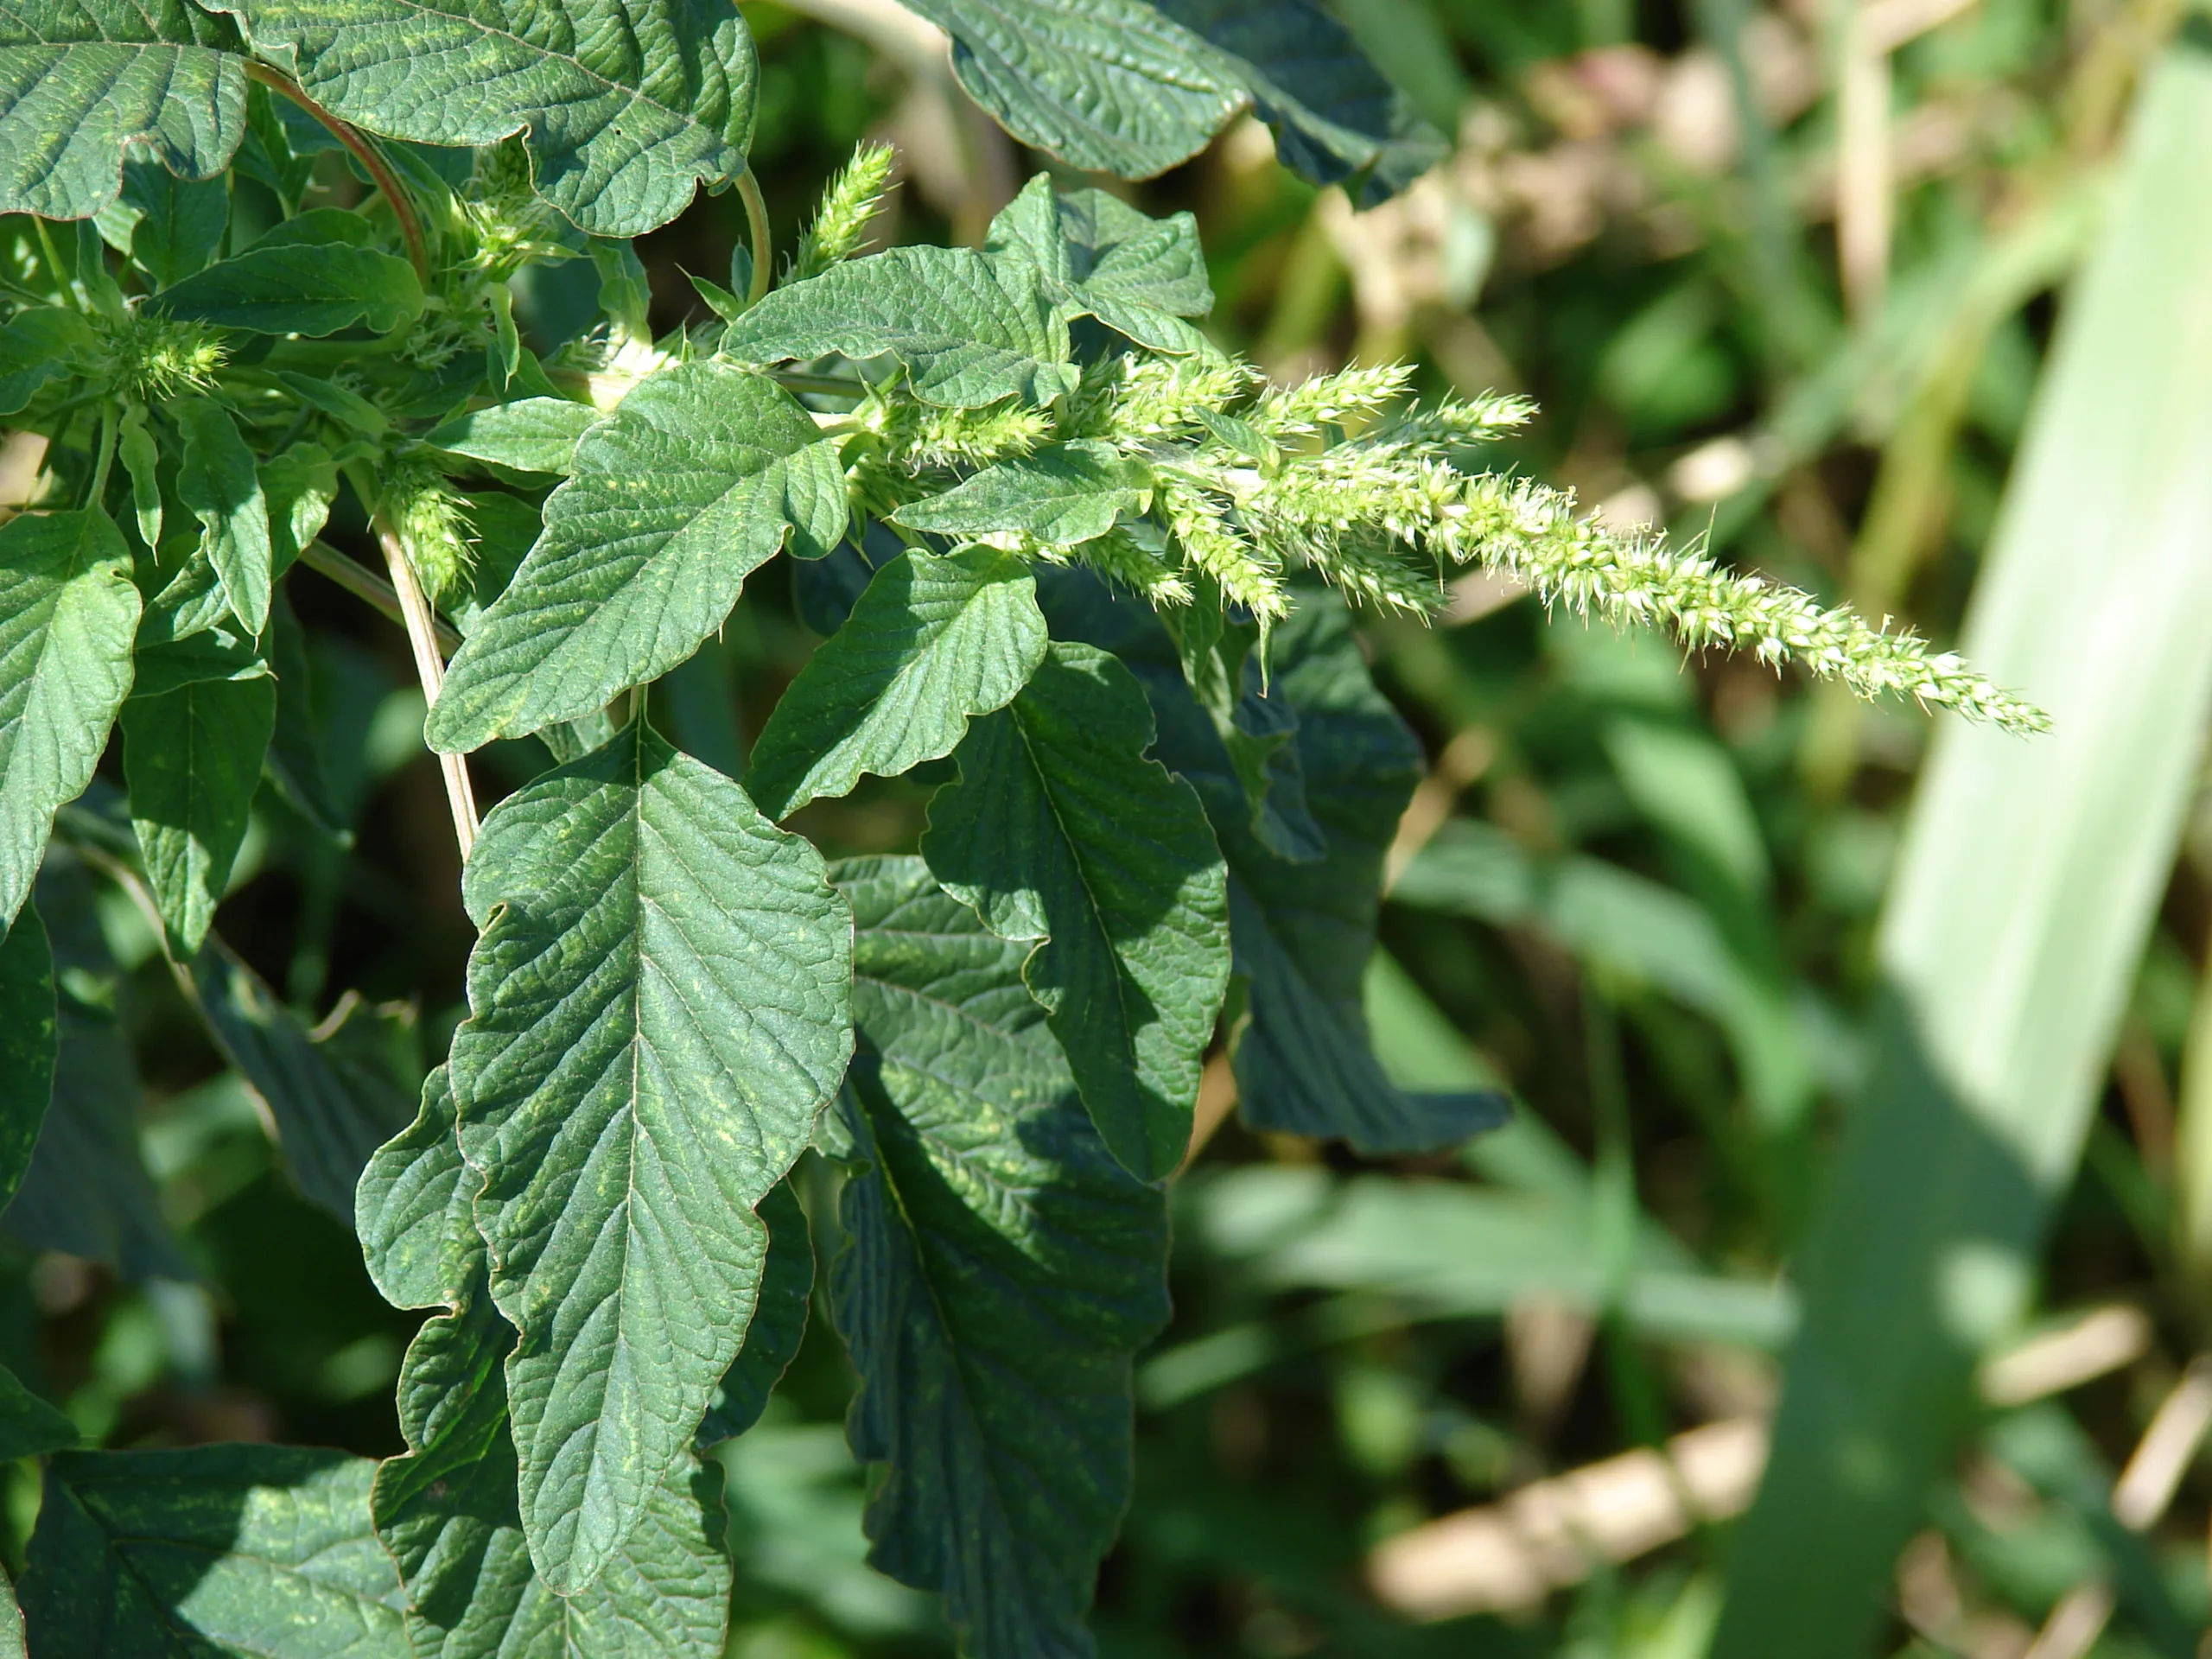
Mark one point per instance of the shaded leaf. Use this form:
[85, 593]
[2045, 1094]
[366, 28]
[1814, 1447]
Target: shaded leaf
[332, 1095]
[970, 328]
[295, 287]
[39, 344]
[1063, 494]
[68, 613]
[83, 85]
[191, 758]
[696, 480]
[30, 1034]
[1060, 831]
[777, 1326]
[657, 1013]
[626, 108]
[28, 1427]
[932, 642]
[246, 1550]
[1001, 1270]
[1302, 930]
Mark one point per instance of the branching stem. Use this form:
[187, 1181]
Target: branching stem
[421, 625]
[365, 585]
[402, 209]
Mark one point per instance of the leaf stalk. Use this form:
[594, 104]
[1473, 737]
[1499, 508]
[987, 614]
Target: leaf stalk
[402, 209]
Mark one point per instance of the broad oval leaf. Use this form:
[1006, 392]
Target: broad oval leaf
[191, 758]
[658, 1010]
[243, 1550]
[412, 1206]
[68, 615]
[298, 287]
[1060, 831]
[1000, 1271]
[1109, 85]
[1063, 495]
[627, 106]
[970, 328]
[696, 478]
[933, 641]
[531, 434]
[83, 85]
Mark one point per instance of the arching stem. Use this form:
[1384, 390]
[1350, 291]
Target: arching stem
[402, 209]
[756, 221]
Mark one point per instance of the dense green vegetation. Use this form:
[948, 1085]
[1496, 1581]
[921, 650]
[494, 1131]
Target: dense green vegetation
[789, 879]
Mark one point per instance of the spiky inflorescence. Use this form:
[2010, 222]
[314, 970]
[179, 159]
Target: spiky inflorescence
[431, 520]
[847, 206]
[156, 358]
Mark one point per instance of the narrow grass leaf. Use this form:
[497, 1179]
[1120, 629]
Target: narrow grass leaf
[2028, 878]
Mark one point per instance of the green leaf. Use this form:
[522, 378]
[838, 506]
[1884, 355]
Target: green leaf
[1302, 930]
[1060, 831]
[446, 1512]
[86, 1192]
[658, 1011]
[1336, 119]
[245, 1550]
[334, 1095]
[191, 758]
[1107, 86]
[141, 463]
[1063, 494]
[411, 1208]
[298, 287]
[40, 343]
[970, 328]
[696, 480]
[30, 1034]
[68, 613]
[933, 641]
[1140, 276]
[298, 486]
[180, 222]
[82, 86]
[1121, 87]
[777, 1325]
[28, 1427]
[1001, 1270]
[219, 483]
[627, 108]
[532, 435]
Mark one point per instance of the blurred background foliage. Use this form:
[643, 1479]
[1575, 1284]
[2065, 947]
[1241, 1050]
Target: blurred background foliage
[1782, 278]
